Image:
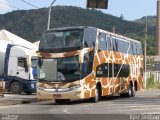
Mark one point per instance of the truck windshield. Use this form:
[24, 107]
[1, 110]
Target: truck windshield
[59, 69]
[34, 63]
[57, 41]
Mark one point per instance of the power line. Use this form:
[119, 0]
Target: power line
[9, 5]
[29, 4]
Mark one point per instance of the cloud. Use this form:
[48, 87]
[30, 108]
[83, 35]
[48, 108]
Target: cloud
[4, 7]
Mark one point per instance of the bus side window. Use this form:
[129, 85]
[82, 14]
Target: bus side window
[141, 51]
[88, 63]
[90, 37]
[102, 44]
[134, 48]
[102, 70]
[131, 49]
[109, 42]
[115, 44]
[139, 48]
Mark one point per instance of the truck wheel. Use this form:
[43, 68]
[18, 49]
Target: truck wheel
[16, 88]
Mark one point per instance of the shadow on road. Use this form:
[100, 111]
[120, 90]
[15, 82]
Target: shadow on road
[108, 98]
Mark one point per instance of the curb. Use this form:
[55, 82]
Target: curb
[17, 101]
[7, 102]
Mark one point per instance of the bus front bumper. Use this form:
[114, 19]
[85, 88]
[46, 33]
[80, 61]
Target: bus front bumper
[67, 94]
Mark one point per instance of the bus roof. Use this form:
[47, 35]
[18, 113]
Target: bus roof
[83, 27]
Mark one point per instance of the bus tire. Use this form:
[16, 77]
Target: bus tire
[131, 91]
[97, 96]
[16, 87]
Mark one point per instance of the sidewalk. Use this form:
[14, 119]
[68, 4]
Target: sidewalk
[12, 99]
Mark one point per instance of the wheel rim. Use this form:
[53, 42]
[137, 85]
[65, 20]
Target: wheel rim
[130, 91]
[15, 88]
[133, 91]
[96, 95]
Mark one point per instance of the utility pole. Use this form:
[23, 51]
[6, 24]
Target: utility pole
[145, 51]
[49, 14]
[158, 29]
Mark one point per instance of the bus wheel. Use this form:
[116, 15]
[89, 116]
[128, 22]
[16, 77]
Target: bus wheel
[131, 91]
[97, 96]
[16, 88]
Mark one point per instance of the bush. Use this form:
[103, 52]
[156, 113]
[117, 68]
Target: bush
[150, 82]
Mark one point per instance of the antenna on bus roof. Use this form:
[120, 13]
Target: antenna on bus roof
[49, 14]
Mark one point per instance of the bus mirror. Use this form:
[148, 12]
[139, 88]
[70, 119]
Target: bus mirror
[39, 62]
[102, 4]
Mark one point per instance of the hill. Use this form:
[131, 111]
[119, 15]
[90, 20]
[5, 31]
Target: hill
[30, 24]
[150, 19]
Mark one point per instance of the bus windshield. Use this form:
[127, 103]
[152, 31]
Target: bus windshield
[61, 40]
[59, 69]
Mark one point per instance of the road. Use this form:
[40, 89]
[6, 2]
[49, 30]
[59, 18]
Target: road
[145, 102]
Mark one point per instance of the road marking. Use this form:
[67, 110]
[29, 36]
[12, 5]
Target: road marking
[152, 113]
[66, 111]
[9, 106]
[139, 106]
[141, 96]
[113, 105]
[140, 109]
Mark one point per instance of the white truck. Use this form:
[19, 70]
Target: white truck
[18, 67]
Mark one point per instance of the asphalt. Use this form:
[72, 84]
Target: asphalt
[11, 99]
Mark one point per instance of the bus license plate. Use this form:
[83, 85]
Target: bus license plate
[57, 95]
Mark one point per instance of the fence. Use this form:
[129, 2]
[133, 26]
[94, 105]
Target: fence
[156, 75]
[2, 87]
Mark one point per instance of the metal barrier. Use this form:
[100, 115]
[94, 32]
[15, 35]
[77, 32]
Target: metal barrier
[156, 75]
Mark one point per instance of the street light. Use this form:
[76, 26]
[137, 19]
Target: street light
[49, 14]
[145, 53]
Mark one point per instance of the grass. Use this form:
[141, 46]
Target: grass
[152, 84]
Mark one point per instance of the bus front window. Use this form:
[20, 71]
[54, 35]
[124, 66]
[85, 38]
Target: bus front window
[60, 69]
[61, 40]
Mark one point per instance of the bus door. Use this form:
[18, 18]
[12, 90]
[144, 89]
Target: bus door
[111, 48]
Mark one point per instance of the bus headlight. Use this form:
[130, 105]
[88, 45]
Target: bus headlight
[75, 87]
[40, 88]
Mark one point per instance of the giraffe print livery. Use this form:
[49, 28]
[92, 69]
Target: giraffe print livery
[108, 63]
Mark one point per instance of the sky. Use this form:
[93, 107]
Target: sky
[130, 9]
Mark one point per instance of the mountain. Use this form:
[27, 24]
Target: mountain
[30, 24]
[151, 20]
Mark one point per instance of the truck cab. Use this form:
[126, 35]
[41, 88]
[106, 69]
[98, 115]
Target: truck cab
[20, 69]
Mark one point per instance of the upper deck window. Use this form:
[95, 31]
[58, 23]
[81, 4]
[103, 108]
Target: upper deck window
[61, 40]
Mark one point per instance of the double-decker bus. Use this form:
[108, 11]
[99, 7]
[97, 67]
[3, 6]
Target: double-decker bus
[87, 63]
